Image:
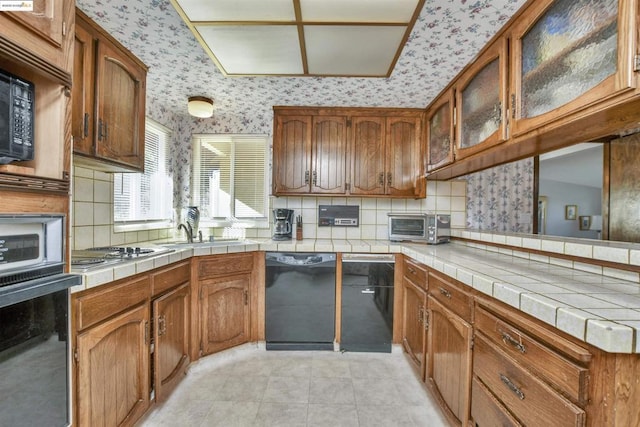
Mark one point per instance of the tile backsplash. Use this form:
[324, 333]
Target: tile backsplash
[442, 197]
[93, 225]
[92, 213]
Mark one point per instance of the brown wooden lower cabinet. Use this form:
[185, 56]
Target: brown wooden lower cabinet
[113, 370]
[171, 338]
[224, 294]
[524, 371]
[224, 311]
[113, 327]
[449, 361]
[413, 323]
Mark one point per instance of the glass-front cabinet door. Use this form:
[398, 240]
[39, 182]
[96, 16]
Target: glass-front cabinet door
[568, 55]
[440, 132]
[480, 101]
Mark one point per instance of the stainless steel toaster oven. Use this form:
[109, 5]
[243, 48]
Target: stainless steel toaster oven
[421, 227]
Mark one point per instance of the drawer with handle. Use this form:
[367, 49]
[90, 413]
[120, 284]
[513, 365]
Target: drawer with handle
[528, 398]
[415, 272]
[222, 265]
[486, 410]
[451, 296]
[543, 361]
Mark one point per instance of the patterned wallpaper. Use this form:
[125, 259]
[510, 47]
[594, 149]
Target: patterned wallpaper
[447, 35]
[501, 198]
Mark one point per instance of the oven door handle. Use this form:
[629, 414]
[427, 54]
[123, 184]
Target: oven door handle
[24, 291]
[371, 258]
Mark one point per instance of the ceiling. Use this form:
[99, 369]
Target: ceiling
[301, 37]
[446, 36]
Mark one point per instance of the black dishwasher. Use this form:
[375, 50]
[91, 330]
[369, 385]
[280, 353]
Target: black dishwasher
[367, 302]
[300, 301]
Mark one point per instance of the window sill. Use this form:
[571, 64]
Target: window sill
[234, 224]
[124, 227]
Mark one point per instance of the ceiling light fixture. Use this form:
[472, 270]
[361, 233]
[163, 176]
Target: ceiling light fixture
[200, 106]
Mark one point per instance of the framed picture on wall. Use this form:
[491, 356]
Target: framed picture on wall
[585, 222]
[571, 212]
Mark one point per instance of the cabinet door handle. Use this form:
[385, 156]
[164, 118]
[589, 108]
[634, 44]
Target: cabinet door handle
[411, 270]
[246, 297]
[420, 314]
[381, 179]
[100, 123]
[445, 292]
[514, 388]
[389, 178]
[102, 130]
[513, 105]
[306, 177]
[509, 340]
[315, 177]
[146, 332]
[426, 320]
[497, 111]
[86, 125]
[162, 325]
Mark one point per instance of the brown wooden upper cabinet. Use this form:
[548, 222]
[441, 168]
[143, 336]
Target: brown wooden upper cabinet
[568, 55]
[292, 154]
[481, 94]
[440, 131]
[309, 154]
[368, 174]
[328, 145]
[108, 99]
[43, 32]
[347, 151]
[386, 156]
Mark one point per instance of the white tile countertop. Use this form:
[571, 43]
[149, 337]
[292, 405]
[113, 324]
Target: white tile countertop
[599, 309]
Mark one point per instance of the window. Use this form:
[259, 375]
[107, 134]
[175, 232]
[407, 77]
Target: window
[230, 177]
[146, 197]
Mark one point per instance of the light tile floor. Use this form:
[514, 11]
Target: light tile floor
[247, 386]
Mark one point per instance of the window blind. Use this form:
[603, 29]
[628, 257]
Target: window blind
[146, 196]
[229, 176]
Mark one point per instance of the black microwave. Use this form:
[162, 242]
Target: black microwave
[17, 108]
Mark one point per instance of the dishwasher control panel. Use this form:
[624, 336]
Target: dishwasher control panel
[338, 216]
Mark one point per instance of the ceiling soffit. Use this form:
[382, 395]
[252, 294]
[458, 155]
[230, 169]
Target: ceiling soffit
[341, 38]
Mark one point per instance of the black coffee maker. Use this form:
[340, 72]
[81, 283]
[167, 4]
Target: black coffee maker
[282, 224]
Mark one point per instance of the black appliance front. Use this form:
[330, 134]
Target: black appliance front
[17, 106]
[34, 352]
[367, 303]
[300, 301]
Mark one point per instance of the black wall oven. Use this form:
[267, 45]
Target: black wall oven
[34, 326]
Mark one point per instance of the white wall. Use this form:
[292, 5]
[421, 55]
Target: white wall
[560, 194]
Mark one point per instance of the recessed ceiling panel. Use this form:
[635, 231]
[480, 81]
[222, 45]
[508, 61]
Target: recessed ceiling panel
[302, 37]
[236, 10]
[351, 50]
[254, 49]
[358, 10]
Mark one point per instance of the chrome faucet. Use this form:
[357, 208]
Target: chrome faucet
[188, 230]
